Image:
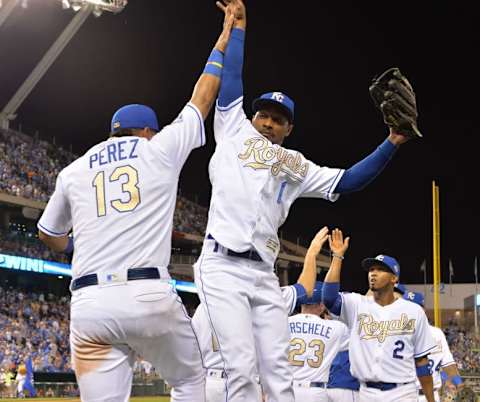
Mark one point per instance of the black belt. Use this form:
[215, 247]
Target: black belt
[312, 384]
[133, 274]
[383, 386]
[249, 255]
[318, 385]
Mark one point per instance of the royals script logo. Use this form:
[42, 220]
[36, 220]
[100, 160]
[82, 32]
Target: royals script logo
[368, 328]
[278, 159]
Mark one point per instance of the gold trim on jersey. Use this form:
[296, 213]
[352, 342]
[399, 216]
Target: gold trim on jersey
[380, 330]
[275, 158]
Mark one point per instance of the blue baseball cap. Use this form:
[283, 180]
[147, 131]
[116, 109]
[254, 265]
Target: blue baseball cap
[275, 98]
[400, 288]
[134, 116]
[415, 297]
[317, 294]
[384, 261]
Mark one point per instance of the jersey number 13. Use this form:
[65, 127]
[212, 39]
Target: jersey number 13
[130, 187]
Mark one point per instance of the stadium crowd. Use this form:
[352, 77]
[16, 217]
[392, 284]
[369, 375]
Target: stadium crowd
[26, 244]
[34, 325]
[465, 347]
[28, 166]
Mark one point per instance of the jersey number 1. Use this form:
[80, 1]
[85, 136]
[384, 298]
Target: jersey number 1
[130, 187]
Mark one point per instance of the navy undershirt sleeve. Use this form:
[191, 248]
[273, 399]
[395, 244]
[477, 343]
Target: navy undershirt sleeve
[363, 172]
[231, 87]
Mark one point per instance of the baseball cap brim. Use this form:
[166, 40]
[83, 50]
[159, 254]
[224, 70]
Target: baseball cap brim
[367, 263]
[260, 103]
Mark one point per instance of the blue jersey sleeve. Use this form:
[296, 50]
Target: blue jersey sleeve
[363, 172]
[231, 87]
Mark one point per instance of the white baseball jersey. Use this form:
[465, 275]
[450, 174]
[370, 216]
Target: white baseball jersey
[439, 357]
[102, 193]
[207, 341]
[385, 340]
[254, 183]
[314, 343]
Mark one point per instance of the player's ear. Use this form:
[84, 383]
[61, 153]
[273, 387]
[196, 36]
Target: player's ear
[289, 129]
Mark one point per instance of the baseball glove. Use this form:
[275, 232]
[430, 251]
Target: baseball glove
[394, 96]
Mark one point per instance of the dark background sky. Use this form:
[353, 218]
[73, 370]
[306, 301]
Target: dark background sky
[324, 55]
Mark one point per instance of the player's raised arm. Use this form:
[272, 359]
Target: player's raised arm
[309, 273]
[207, 86]
[394, 96]
[231, 87]
[331, 284]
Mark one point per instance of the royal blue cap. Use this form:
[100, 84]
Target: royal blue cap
[383, 260]
[416, 297]
[317, 294]
[134, 116]
[276, 98]
[400, 288]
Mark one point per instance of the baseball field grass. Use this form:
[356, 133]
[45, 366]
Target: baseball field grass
[137, 399]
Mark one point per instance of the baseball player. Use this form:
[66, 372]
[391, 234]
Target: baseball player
[314, 343]
[119, 198]
[389, 340]
[254, 182]
[440, 359]
[215, 389]
[342, 386]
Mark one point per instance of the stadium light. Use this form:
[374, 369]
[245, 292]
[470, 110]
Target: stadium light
[114, 6]
[65, 4]
[24, 3]
[97, 11]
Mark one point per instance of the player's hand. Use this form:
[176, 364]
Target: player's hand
[224, 37]
[238, 9]
[397, 139]
[318, 241]
[338, 245]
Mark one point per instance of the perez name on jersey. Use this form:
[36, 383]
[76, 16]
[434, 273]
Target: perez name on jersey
[114, 152]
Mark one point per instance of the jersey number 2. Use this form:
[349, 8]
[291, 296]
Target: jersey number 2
[400, 345]
[130, 187]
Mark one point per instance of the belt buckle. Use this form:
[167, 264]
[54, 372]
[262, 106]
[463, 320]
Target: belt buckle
[112, 278]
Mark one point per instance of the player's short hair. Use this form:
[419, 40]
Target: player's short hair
[124, 132]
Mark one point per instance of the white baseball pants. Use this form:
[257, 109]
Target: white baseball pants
[111, 324]
[402, 393]
[342, 395]
[215, 388]
[248, 316]
[308, 394]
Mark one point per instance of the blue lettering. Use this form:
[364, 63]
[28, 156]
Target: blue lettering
[111, 149]
[292, 327]
[121, 150]
[311, 327]
[327, 335]
[101, 156]
[132, 152]
[298, 327]
[93, 158]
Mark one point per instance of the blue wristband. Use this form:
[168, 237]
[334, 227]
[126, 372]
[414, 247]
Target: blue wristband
[69, 247]
[456, 380]
[423, 371]
[214, 64]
